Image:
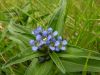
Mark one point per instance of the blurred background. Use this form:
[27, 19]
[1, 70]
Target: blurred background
[81, 28]
[82, 20]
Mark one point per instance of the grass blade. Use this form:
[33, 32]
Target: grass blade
[57, 61]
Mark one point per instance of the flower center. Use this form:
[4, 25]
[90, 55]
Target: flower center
[44, 39]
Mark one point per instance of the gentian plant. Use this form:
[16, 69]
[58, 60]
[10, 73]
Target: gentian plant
[48, 38]
[64, 44]
[47, 41]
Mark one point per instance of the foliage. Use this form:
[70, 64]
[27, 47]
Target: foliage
[76, 20]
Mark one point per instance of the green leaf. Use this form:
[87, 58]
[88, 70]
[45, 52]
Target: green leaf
[22, 57]
[73, 52]
[57, 19]
[44, 68]
[77, 65]
[18, 29]
[8, 48]
[37, 68]
[74, 60]
[57, 61]
[3, 34]
[3, 17]
[32, 66]
[18, 41]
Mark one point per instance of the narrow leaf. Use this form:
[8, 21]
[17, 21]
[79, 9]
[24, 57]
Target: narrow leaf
[32, 66]
[57, 61]
[37, 68]
[44, 68]
[24, 56]
[57, 19]
[74, 59]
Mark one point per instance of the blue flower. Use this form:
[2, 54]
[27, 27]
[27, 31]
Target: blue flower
[31, 42]
[52, 48]
[34, 48]
[64, 42]
[53, 40]
[42, 43]
[59, 38]
[49, 38]
[47, 42]
[37, 31]
[57, 43]
[45, 33]
[55, 33]
[57, 49]
[63, 48]
[50, 30]
[38, 37]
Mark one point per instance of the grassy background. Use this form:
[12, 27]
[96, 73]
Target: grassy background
[81, 28]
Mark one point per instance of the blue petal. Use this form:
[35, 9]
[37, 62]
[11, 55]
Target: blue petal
[50, 30]
[55, 33]
[59, 38]
[49, 37]
[35, 32]
[52, 48]
[53, 40]
[39, 29]
[64, 42]
[38, 37]
[34, 48]
[31, 42]
[41, 42]
[47, 42]
[45, 33]
[57, 49]
[57, 43]
[63, 48]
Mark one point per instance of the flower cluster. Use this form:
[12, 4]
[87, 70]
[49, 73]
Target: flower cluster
[49, 38]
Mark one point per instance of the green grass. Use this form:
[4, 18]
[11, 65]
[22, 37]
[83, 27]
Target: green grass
[80, 23]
